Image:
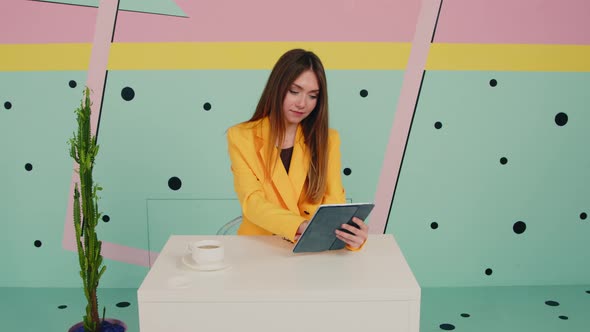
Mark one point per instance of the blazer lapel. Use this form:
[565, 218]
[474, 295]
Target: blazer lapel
[280, 180]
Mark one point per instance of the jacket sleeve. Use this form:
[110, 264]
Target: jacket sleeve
[255, 206]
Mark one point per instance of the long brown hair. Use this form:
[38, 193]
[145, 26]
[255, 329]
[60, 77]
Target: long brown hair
[314, 126]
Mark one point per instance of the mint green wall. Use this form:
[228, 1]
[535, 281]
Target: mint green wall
[162, 132]
[453, 176]
[32, 203]
[164, 7]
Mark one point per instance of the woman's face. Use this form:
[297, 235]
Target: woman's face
[301, 98]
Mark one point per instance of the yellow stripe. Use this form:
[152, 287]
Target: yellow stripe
[254, 55]
[509, 57]
[37, 57]
[260, 55]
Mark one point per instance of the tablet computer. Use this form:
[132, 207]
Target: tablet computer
[320, 232]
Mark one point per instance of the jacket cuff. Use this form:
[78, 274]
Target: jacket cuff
[291, 234]
[356, 249]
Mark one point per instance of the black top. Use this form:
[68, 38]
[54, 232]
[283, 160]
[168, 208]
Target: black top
[286, 157]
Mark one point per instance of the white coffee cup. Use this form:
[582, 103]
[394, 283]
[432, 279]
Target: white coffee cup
[206, 252]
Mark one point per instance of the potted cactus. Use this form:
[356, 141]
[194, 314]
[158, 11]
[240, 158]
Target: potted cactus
[83, 149]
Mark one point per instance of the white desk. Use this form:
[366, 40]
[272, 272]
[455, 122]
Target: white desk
[268, 288]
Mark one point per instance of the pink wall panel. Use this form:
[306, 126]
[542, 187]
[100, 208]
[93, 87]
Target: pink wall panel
[514, 21]
[26, 22]
[271, 20]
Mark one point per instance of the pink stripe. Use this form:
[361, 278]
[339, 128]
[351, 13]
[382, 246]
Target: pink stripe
[105, 23]
[510, 21]
[118, 252]
[31, 22]
[99, 58]
[153, 256]
[271, 20]
[403, 115]
[126, 254]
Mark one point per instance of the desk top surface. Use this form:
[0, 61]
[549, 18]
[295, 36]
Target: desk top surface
[264, 268]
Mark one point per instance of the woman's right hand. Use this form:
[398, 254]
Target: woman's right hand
[301, 229]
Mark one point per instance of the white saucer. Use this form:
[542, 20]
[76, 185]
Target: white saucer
[179, 282]
[188, 261]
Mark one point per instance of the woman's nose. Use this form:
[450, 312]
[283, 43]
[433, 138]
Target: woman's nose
[301, 101]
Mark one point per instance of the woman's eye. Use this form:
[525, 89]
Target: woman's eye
[313, 97]
[293, 92]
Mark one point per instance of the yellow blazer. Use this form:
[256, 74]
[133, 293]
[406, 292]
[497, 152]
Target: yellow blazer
[278, 205]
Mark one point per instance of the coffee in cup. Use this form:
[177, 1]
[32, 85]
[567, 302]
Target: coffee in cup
[206, 252]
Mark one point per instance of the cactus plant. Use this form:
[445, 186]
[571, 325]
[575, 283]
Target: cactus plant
[83, 149]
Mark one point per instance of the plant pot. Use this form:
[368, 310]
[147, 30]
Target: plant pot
[108, 325]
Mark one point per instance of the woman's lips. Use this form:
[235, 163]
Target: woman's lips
[298, 113]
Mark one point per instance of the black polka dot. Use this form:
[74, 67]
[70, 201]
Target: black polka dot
[434, 225]
[207, 106]
[364, 93]
[493, 82]
[347, 171]
[38, 243]
[28, 167]
[72, 84]
[63, 306]
[106, 218]
[447, 327]
[561, 119]
[174, 183]
[519, 227]
[8, 105]
[588, 292]
[127, 93]
[583, 216]
[123, 304]
[437, 125]
[465, 315]
[489, 272]
[564, 317]
[552, 303]
[503, 160]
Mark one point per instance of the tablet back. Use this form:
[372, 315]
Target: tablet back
[320, 233]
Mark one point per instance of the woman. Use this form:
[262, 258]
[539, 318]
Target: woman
[291, 124]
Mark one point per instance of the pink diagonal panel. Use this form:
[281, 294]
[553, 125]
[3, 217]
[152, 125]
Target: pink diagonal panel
[514, 21]
[404, 113]
[32, 22]
[271, 20]
[105, 23]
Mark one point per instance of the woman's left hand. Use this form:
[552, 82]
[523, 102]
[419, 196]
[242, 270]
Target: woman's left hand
[358, 236]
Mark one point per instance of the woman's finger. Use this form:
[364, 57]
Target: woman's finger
[362, 232]
[360, 223]
[348, 238]
[351, 242]
[351, 229]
